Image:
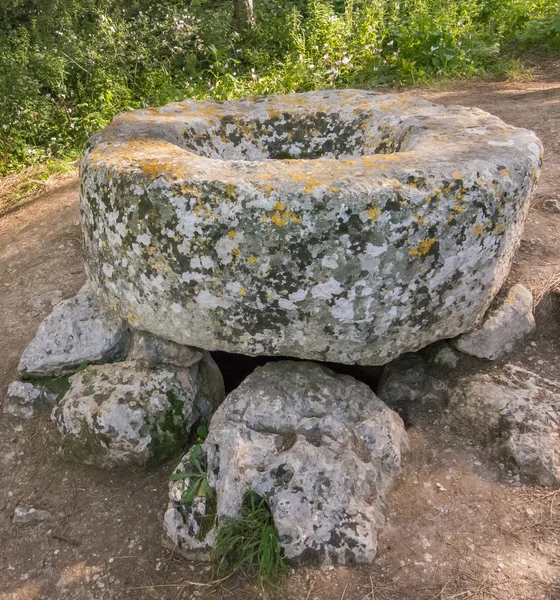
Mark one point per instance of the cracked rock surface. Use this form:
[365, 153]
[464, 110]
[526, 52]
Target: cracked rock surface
[321, 447]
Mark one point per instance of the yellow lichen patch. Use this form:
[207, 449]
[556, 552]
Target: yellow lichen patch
[279, 219]
[423, 247]
[252, 260]
[231, 234]
[479, 230]
[374, 213]
[419, 219]
[279, 206]
[236, 252]
[132, 318]
[243, 291]
[458, 207]
[498, 229]
[457, 175]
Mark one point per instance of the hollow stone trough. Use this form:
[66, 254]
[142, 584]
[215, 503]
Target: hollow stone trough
[345, 226]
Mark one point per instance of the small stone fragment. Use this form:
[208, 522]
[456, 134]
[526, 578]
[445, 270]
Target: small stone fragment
[552, 205]
[30, 515]
[78, 330]
[503, 328]
[190, 528]
[22, 399]
[320, 447]
[517, 414]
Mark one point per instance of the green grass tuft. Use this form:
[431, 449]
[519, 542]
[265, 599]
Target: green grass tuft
[250, 543]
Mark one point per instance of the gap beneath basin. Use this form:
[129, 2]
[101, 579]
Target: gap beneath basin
[236, 367]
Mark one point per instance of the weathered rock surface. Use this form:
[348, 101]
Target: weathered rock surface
[191, 528]
[503, 327]
[418, 378]
[79, 329]
[127, 413]
[517, 413]
[321, 447]
[22, 399]
[31, 515]
[337, 225]
[153, 351]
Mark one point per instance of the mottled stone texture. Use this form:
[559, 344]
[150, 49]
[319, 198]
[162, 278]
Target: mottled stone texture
[344, 226]
[503, 328]
[517, 413]
[127, 413]
[78, 330]
[321, 447]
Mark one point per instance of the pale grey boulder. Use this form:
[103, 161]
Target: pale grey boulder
[517, 414]
[344, 226]
[503, 327]
[80, 329]
[23, 399]
[320, 447]
[127, 413]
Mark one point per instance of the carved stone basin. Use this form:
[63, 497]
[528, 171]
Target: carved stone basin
[343, 226]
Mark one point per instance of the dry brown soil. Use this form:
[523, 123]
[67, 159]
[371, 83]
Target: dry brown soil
[486, 536]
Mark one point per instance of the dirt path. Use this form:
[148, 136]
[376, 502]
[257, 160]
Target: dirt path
[487, 536]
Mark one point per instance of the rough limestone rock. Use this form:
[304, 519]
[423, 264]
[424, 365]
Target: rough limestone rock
[22, 399]
[79, 329]
[127, 413]
[153, 351]
[503, 328]
[190, 528]
[321, 447]
[517, 413]
[419, 378]
[345, 226]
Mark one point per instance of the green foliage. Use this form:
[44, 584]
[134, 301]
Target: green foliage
[198, 480]
[249, 543]
[67, 66]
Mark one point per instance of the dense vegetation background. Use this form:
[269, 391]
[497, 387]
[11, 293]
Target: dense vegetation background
[67, 66]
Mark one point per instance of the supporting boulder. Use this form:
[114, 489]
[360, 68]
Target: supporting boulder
[320, 447]
[503, 328]
[129, 413]
[79, 330]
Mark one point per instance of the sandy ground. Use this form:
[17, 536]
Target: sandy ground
[487, 536]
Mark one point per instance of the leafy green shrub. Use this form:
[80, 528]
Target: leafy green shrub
[67, 66]
[249, 543]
